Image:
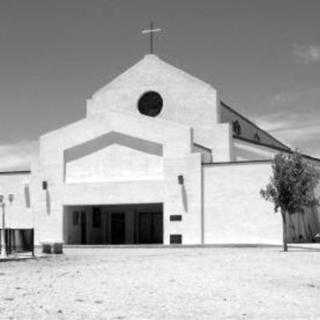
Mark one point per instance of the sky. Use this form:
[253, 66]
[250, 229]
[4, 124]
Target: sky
[263, 56]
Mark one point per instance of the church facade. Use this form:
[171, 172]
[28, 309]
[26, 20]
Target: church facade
[158, 158]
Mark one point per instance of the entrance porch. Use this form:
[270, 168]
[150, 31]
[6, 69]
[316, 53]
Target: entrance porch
[113, 224]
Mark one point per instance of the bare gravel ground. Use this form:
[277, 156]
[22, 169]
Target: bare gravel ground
[166, 283]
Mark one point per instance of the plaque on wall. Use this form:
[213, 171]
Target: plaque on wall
[176, 217]
[175, 239]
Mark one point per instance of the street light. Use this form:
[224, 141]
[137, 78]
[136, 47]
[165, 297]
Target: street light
[3, 230]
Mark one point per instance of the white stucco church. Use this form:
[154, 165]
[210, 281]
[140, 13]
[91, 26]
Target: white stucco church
[158, 158]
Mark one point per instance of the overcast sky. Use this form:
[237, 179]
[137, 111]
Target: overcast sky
[263, 55]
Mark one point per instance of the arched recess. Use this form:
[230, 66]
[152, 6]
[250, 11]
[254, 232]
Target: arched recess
[113, 156]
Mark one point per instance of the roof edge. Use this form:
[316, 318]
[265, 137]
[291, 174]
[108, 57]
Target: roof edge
[253, 124]
[275, 147]
[15, 172]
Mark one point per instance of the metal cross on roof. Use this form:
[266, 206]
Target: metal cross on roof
[151, 31]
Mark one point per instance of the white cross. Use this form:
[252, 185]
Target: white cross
[151, 31]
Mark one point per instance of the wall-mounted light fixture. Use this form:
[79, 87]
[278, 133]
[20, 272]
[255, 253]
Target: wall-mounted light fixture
[3, 251]
[3, 230]
[183, 192]
[44, 185]
[10, 197]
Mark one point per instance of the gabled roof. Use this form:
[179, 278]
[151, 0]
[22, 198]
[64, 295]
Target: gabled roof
[151, 69]
[265, 138]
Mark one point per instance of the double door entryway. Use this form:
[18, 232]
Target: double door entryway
[147, 227]
[121, 224]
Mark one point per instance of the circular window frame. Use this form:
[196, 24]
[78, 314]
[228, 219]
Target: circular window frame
[143, 108]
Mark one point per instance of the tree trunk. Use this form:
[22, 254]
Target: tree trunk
[284, 231]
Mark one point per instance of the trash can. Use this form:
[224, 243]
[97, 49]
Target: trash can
[57, 247]
[46, 248]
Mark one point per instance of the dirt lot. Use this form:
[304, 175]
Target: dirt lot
[186, 283]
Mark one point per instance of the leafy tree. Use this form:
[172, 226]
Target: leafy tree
[291, 186]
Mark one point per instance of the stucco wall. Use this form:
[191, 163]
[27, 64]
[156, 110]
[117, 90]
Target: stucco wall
[116, 192]
[234, 211]
[114, 160]
[177, 158]
[186, 99]
[18, 212]
[183, 199]
[218, 139]
[206, 154]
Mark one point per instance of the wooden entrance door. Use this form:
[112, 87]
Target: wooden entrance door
[118, 228]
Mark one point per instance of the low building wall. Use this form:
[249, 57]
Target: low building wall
[234, 211]
[18, 211]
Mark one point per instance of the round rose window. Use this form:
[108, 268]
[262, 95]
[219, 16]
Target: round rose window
[150, 104]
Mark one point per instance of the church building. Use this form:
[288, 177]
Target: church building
[157, 159]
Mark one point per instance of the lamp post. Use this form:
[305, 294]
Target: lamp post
[3, 230]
